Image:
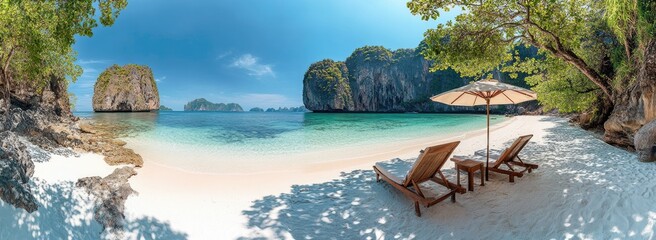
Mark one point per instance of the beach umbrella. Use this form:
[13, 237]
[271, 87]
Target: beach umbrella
[485, 92]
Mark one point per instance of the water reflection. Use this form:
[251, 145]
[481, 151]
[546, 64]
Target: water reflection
[126, 123]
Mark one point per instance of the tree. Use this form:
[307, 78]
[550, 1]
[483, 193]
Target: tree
[578, 41]
[36, 38]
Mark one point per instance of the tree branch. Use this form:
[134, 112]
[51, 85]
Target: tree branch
[570, 57]
[11, 54]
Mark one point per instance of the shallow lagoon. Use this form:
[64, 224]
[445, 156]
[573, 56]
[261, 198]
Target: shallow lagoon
[243, 137]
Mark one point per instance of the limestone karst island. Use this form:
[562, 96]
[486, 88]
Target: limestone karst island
[370, 119]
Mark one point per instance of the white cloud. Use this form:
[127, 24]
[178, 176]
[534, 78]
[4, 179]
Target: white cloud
[90, 61]
[86, 70]
[87, 79]
[223, 55]
[85, 83]
[160, 79]
[251, 64]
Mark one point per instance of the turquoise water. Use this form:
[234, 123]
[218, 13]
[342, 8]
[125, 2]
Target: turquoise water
[226, 137]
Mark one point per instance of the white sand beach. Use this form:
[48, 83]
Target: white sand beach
[584, 189]
[64, 210]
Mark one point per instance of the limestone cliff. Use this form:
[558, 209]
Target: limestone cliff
[130, 88]
[636, 106]
[375, 79]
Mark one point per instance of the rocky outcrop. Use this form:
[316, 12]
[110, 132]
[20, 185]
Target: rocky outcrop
[645, 142]
[111, 193]
[101, 138]
[40, 115]
[375, 79]
[202, 104]
[256, 109]
[130, 88]
[16, 168]
[164, 108]
[636, 106]
[38, 120]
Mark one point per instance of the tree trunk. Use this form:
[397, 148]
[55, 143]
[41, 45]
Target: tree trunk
[4, 71]
[599, 80]
[6, 94]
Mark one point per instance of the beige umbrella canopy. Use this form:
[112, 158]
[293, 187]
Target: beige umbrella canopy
[486, 92]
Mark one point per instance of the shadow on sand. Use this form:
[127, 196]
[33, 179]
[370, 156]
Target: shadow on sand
[584, 188]
[66, 212]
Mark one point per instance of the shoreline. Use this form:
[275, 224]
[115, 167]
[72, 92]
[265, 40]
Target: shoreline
[578, 176]
[223, 197]
[342, 156]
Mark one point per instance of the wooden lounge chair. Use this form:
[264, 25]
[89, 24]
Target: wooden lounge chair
[426, 168]
[510, 158]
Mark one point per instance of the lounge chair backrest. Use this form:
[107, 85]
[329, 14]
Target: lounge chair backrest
[429, 162]
[511, 152]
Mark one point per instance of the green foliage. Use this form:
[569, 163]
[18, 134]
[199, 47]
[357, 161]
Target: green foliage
[72, 99]
[646, 21]
[560, 86]
[371, 54]
[121, 75]
[484, 36]
[576, 39]
[36, 37]
[331, 77]
[621, 16]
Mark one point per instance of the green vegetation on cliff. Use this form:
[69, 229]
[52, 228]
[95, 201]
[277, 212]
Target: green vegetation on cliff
[202, 104]
[119, 76]
[376, 79]
[375, 54]
[164, 108]
[331, 78]
[36, 38]
[126, 88]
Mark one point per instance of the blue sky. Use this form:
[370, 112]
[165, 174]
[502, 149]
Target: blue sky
[252, 52]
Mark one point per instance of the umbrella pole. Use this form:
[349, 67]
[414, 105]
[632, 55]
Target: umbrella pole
[487, 161]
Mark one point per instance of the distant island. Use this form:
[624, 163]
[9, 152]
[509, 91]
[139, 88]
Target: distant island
[280, 109]
[164, 108]
[202, 104]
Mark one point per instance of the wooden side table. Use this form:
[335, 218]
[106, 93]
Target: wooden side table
[470, 166]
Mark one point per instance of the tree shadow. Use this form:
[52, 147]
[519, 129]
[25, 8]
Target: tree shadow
[66, 212]
[584, 188]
